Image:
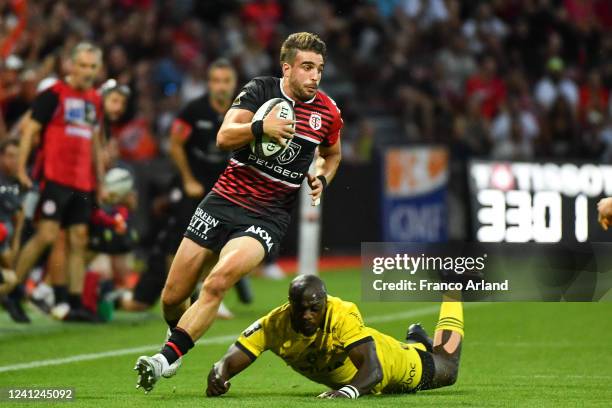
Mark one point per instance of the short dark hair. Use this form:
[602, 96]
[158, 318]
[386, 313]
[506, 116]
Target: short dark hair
[304, 42]
[221, 63]
[4, 144]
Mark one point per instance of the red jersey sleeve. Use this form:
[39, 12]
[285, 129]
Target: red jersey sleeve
[336, 126]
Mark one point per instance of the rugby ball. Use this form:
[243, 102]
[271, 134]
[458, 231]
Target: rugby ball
[265, 147]
[118, 182]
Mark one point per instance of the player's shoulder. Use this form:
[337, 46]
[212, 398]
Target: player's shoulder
[327, 101]
[340, 310]
[267, 80]
[278, 316]
[263, 84]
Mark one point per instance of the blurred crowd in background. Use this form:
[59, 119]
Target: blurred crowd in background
[508, 79]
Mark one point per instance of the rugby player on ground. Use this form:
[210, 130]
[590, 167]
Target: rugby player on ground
[324, 339]
[243, 219]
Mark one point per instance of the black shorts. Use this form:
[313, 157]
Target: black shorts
[65, 205]
[428, 371]
[217, 220]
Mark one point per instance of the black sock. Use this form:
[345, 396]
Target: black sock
[74, 300]
[60, 293]
[18, 293]
[177, 345]
[172, 323]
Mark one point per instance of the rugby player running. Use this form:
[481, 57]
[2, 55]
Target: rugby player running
[243, 219]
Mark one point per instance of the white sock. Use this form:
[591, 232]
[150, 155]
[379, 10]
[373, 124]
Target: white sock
[162, 358]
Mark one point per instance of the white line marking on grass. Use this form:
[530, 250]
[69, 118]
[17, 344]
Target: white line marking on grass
[211, 340]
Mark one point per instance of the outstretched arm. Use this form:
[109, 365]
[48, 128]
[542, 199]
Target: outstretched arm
[233, 362]
[369, 373]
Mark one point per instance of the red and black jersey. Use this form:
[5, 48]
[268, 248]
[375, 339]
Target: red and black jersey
[198, 124]
[272, 186]
[70, 118]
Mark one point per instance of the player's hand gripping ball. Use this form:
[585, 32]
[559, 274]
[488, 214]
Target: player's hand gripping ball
[278, 128]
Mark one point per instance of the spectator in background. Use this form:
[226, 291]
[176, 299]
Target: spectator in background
[487, 88]
[483, 28]
[513, 132]
[10, 88]
[560, 134]
[594, 97]
[11, 199]
[364, 145]
[556, 84]
[425, 12]
[11, 215]
[458, 65]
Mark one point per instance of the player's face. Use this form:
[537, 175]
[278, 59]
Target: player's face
[114, 105]
[222, 84]
[9, 160]
[84, 69]
[305, 74]
[307, 315]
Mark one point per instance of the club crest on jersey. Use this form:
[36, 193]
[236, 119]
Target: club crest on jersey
[315, 121]
[290, 153]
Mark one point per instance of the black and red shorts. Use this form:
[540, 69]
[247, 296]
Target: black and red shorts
[217, 220]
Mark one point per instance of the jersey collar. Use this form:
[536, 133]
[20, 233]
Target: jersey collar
[287, 97]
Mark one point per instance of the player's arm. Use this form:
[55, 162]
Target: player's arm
[326, 166]
[43, 109]
[369, 372]
[179, 134]
[232, 363]
[31, 131]
[237, 129]
[98, 161]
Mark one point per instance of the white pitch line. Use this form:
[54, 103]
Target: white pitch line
[212, 340]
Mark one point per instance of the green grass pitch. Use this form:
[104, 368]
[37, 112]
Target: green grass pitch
[514, 354]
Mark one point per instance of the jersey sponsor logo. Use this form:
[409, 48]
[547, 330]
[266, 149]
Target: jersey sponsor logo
[276, 169]
[290, 153]
[252, 329]
[315, 121]
[85, 133]
[409, 383]
[201, 223]
[263, 234]
[79, 111]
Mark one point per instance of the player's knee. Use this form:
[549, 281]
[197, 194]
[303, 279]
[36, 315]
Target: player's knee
[47, 235]
[78, 238]
[170, 296]
[215, 286]
[10, 278]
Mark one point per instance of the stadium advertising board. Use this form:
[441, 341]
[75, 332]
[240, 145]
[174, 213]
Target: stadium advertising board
[414, 189]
